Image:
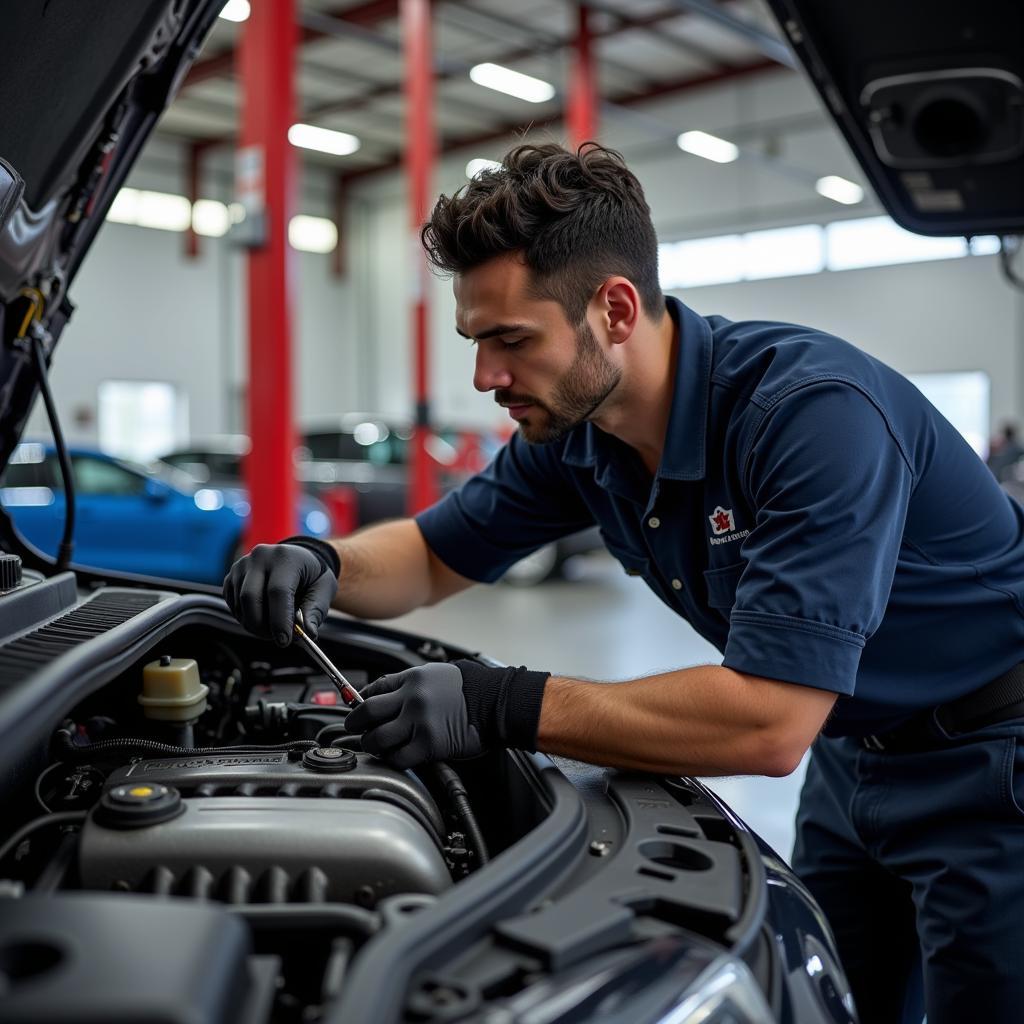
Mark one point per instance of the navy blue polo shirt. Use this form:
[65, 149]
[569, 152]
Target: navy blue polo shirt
[813, 516]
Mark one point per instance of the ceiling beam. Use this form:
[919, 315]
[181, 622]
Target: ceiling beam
[625, 24]
[768, 45]
[653, 92]
[363, 15]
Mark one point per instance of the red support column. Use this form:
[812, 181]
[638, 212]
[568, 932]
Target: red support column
[581, 115]
[267, 180]
[419, 160]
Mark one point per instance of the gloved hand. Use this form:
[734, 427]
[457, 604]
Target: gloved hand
[438, 711]
[264, 588]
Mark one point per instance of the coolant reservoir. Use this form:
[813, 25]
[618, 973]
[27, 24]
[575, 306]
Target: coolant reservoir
[172, 690]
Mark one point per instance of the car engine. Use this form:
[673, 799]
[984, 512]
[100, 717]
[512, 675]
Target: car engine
[191, 836]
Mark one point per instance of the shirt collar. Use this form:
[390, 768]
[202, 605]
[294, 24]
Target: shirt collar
[683, 457]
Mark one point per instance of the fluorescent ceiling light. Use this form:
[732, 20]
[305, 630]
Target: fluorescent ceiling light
[125, 207]
[323, 140]
[210, 218]
[711, 147]
[235, 10]
[474, 167]
[312, 234]
[501, 79]
[839, 190]
[163, 211]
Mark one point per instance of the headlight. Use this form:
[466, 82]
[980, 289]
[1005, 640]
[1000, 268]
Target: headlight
[725, 993]
[665, 981]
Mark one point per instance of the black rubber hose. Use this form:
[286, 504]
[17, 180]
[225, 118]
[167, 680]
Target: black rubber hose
[61, 818]
[136, 745]
[330, 735]
[67, 543]
[453, 786]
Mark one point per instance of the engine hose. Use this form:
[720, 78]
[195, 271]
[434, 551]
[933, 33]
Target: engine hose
[453, 786]
[329, 734]
[61, 818]
[135, 745]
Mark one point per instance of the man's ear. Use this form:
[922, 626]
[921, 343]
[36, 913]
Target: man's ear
[619, 307]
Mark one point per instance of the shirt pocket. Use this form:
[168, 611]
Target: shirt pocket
[633, 563]
[721, 584]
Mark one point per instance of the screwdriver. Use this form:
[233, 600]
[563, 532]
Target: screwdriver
[349, 694]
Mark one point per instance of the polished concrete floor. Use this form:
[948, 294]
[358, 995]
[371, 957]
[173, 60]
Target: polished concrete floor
[601, 624]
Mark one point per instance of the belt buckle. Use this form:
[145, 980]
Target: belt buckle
[872, 742]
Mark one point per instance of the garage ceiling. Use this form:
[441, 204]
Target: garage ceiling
[350, 72]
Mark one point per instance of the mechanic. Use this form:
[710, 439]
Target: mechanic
[798, 502]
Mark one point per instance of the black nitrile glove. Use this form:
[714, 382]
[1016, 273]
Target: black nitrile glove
[459, 709]
[263, 588]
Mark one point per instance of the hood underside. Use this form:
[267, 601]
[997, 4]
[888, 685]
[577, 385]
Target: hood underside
[83, 84]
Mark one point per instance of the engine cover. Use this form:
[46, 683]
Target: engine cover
[278, 773]
[267, 850]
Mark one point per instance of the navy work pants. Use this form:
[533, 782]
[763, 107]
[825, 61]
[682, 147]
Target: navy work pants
[917, 859]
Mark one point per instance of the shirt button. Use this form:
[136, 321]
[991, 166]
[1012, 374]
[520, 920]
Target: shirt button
[677, 584]
[654, 522]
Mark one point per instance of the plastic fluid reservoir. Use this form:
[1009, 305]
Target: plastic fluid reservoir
[172, 690]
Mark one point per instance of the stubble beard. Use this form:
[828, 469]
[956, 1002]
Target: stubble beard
[590, 379]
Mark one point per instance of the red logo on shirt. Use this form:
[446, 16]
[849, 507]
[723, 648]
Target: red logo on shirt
[722, 521]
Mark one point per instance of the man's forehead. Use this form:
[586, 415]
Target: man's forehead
[493, 293]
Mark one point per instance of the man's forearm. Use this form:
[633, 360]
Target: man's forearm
[388, 570]
[697, 721]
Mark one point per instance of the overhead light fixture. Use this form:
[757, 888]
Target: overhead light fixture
[710, 147]
[474, 167]
[125, 207]
[312, 234]
[839, 190]
[513, 83]
[323, 140]
[210, 218]
[236, 10]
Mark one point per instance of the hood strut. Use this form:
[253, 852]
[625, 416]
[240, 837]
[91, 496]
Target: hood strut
[35, 336]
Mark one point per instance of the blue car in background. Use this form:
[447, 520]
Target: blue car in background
[151, 519]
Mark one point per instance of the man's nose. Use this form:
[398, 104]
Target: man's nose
[490, 372]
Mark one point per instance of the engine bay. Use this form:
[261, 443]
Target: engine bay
[191, 834]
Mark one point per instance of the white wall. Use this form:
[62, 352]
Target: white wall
[146, 312]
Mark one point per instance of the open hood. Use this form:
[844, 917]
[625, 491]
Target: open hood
[83, 84]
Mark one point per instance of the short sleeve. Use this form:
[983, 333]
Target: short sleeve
[830, 485]
[524, 499]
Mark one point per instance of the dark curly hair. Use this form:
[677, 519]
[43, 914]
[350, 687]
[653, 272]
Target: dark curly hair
[576, 218]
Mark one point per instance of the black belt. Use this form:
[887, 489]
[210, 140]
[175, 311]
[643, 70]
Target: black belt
[998, 701]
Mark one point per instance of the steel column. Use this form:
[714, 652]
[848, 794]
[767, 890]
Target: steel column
[266, 62]
[581, 115]
[419, 160]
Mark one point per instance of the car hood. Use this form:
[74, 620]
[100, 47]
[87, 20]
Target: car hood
[84, 83]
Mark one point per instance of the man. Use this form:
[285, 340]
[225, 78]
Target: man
[1005, 454]
[801, 504]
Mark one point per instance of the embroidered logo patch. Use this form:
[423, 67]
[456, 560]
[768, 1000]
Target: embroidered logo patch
[722, 521]
[723, 526]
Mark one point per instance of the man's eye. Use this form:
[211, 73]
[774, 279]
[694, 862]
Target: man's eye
[516, 343]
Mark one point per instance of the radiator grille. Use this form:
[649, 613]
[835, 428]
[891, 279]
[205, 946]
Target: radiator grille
[26, 655]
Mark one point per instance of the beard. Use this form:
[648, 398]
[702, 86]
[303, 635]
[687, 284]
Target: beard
[590, 379]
